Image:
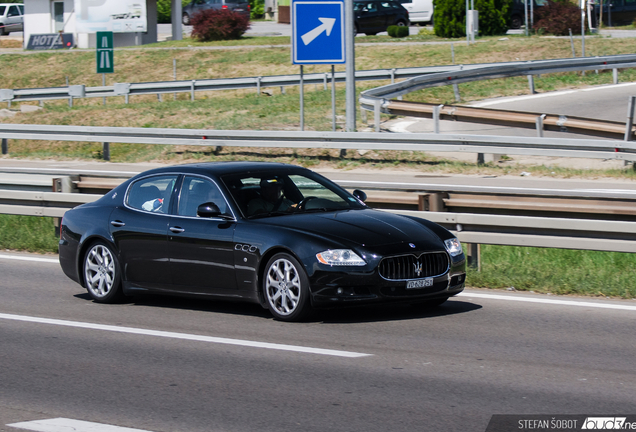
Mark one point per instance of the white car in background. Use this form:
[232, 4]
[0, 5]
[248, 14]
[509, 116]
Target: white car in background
[11, 18]
[420, 11]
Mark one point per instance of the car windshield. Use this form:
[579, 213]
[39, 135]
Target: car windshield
[270, 194]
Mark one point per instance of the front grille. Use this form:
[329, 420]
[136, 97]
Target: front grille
[407, 266]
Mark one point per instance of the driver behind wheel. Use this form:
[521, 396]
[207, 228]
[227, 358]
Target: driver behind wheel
[271, 198]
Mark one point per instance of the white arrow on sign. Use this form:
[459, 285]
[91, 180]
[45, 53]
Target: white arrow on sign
[327, 25]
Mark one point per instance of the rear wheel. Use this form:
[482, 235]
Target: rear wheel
[185, 19]
[101, 274]
[286, 288]
[400, 24]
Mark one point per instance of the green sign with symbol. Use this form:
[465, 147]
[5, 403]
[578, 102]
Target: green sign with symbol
[105, 52]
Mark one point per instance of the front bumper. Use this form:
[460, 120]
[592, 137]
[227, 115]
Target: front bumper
[338, 288]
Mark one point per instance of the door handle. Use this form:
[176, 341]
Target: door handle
[117, 223]
[176, 230]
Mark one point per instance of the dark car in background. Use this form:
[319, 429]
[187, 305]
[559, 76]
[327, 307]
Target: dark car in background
[615, 12]
[196, 6]
[518, 12]
[278, 235]
[373, 16]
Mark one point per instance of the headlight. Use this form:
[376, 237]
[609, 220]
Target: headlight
[453, 246]
[340, 257]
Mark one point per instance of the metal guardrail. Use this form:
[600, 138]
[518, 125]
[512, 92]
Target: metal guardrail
[191, 86]
[378, 98]
[443, 75]
[584, 234]
[536, 146]
[49, 204]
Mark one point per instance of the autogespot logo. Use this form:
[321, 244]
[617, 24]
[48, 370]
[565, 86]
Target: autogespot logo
[607, 423]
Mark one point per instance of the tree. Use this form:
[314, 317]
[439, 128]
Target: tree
[450, 17]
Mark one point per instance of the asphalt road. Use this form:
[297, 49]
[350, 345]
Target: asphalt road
[444, 370]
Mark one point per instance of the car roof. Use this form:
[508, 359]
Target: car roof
[223, 168]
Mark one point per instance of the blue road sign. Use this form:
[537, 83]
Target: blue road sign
[318, 32]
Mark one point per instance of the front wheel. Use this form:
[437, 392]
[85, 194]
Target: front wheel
[101, 274]
[186, 19]
[286, 288]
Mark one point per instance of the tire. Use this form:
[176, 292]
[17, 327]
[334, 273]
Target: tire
[286, 288]
[185, 20]
[515, 22]
[102, 274]
[355, 30]
[400, 24]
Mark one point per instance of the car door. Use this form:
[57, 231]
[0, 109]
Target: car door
[140, 232]
[202, 249]
[368, 17]
[14, 19]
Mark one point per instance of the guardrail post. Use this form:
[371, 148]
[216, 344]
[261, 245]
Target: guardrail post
[5, 146]
[473, 251]
[106, 151]
[324, 81]
[159, 97]
[192, 90]
[258, 86]
[456, 90]
[630, 118]
[70, 102]
[436, 110]
[377, 104]
[282, 89]
[540, 125]
[615, 75]
[531, 84]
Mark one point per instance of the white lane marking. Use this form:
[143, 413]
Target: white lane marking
[184, 336]
[29, 258]
[549, 301]
[70, 425]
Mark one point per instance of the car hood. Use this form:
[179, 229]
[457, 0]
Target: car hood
[367, 228]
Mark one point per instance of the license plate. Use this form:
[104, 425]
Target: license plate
[419, 283]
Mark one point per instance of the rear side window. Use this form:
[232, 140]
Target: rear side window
[2, 9]
[152, 194]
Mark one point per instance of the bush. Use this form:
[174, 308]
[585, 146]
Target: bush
[221, 24]
[257, 8]
[398, 31]
[493, 16]
[450, 17]
[557, 18]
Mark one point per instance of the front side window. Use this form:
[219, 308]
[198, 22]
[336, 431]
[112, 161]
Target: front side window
[152, 194]
[272, 194]
[196, 191]
[13, 11]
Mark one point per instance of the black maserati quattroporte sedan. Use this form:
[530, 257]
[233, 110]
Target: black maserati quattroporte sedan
[275, 234]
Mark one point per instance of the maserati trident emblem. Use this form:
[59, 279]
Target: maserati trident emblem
[418, 268]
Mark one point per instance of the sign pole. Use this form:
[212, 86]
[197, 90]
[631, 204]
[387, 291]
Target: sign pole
[351, 68]
[104, 85]
[302, 100]
[333, 98]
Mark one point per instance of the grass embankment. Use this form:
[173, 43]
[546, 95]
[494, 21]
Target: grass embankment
[541, 270]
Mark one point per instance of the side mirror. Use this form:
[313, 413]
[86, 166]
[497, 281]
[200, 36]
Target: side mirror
[360, 195]
[208, 210]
